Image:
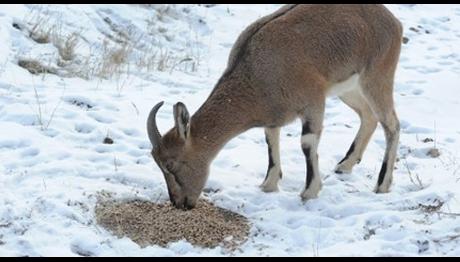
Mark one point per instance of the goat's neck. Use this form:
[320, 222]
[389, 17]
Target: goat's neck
[221, 118]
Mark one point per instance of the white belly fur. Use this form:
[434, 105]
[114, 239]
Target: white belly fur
[344, 87]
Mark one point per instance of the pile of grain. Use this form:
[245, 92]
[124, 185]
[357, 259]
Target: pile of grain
[159, 224]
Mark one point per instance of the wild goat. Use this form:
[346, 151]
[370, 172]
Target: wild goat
[283, 67]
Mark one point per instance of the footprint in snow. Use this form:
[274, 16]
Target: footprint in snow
[103, 149]
[143, 161]
[131, 132]
[445, 63]
[84, 128]
[423, 153]
[427, 70]
[14, 143]
[417, 130]
[144, 145]
[100, 158]
[79, 101]
[136, 153]
[101, 118]
[30, 152]
[417, 92]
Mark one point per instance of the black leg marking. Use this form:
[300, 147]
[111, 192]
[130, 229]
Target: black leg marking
[271, 164]
[350, 151]
[270, 159]
[382, 173]
[306, 129]
[310, 174]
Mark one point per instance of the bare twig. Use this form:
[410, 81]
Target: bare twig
[52, 114]
[135, 107]
[419, 181]
[449, 214]
[39, 115]
[115, 163]
[446, 239]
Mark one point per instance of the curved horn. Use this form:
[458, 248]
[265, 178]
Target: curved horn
[152, 129]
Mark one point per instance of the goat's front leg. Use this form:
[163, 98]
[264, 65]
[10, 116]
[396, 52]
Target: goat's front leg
[274, 174]
[311, 133]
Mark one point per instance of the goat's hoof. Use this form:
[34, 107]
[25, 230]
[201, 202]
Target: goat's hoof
[341, 169]
[382, 190]
[269, 188]
[311, 193]
[308, 195]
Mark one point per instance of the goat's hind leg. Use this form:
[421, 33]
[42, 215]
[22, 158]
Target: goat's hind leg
[358, 103]
[379, 94]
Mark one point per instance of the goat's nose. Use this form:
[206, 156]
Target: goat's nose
[178, 204]
[189, 206]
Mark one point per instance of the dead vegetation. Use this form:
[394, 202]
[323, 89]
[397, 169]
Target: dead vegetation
[114, 59]
[107, 140]
[66, 46]
[122, 50]
[417, 181]
[160, 224]
[433, 152]
[39, 27]
[35, 67]
[434, 207]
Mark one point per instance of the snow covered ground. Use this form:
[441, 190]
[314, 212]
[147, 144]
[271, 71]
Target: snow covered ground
[54, 164]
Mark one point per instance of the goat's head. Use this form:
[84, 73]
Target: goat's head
[183, 168]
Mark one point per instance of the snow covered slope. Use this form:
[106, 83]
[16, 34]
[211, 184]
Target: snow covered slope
[54, 164]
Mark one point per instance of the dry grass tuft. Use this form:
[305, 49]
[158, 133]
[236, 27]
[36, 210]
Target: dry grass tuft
[66, 46]
[433, 152]
[125, 49]
[35, 67]
[114, 60]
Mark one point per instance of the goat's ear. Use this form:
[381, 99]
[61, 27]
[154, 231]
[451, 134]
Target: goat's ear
[182, 119]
